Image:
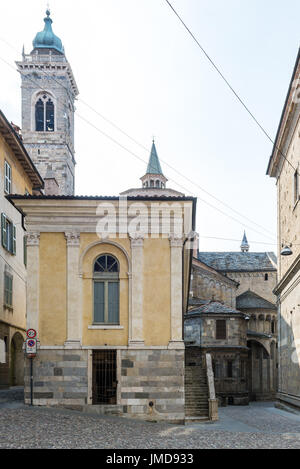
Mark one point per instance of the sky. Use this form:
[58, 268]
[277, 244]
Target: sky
[138, 68]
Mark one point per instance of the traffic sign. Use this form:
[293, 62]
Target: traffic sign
[31, 334]
[31, 346]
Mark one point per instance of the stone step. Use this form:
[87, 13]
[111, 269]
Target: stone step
[12, 394]
[195, 419]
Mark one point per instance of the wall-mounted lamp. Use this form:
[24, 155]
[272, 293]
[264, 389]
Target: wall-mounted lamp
[286, 250]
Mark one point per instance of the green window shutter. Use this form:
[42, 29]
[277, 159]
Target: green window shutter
[5, 289]
[10, 283]
[8, 290]
[113, 302]
[99, 302]
[14, 240]
[3, 231]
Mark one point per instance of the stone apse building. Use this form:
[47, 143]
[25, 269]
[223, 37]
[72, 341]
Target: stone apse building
[17, 174]
[284, 167]
[232, 315]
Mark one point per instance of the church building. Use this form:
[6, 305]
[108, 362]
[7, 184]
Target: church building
[108, 277]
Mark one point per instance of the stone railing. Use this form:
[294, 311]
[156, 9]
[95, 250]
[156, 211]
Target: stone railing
[212, 400]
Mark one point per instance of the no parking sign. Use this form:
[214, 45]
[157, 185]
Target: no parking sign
[31, 346]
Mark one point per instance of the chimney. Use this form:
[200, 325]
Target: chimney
[51, 184]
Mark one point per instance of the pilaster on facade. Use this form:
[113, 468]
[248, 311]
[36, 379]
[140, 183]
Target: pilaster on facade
[33, 270]
[136, 332]
[176, 244]
[74, 294]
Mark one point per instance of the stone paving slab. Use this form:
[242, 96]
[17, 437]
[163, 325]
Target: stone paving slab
[254, 427]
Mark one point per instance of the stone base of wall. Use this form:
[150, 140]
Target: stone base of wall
[60, 378]
[233, 399]
[150, 383]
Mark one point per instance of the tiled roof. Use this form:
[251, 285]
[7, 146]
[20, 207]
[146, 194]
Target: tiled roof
[214, 307]
[239, 261]
[250, 300]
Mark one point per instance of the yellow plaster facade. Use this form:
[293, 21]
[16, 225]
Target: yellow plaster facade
[13, 316]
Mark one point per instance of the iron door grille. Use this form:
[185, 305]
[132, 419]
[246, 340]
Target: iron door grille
[104, 377]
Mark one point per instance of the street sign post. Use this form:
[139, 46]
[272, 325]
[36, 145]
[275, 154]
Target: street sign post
[31, 351]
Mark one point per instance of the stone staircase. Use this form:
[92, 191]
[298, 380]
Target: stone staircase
[196, 393]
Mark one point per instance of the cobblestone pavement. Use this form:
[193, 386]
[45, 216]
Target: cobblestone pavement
[256, 426]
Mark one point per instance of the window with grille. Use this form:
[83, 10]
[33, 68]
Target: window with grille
[7, 178]
[8, 290]
[106, 290]
[104, 377]
[8, 234]
[221, 333]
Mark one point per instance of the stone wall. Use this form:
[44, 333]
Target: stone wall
[60, 378]
[152, 384]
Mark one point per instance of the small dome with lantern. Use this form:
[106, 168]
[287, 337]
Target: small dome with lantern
[46, 39]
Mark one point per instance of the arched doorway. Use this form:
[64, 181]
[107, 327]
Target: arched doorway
[17, 360]
[260, 372]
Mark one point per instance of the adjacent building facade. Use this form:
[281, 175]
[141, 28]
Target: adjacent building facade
[17, 175]
[284, 167]
[232, 315]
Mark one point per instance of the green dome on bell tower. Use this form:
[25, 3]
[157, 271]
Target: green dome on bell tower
[46, 39]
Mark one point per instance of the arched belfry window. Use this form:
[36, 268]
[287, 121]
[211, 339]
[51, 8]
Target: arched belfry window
[44, 114]
[106, 290]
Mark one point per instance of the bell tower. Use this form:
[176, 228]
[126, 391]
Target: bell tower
[49, 91]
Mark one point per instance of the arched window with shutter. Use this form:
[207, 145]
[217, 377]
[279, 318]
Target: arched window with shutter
[106, 290]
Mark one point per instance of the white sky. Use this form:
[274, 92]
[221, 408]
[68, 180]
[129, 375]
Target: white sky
[136, 65]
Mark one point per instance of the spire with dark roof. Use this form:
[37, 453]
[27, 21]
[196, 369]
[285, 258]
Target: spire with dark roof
[154, 177]
[154, 164]
[245, 245]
